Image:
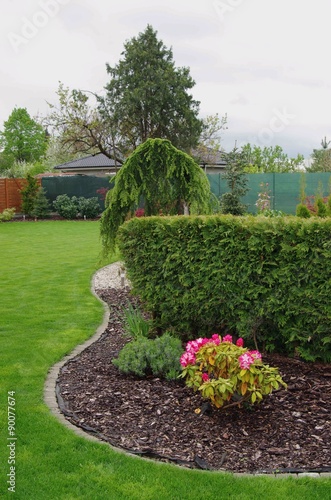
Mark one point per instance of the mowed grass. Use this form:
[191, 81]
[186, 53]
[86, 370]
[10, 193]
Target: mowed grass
[46, 309]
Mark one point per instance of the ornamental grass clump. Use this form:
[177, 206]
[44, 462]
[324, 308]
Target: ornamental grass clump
[228, 374]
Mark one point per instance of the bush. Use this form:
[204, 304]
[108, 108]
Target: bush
[230, 204]
[273, 213]
[66, 207]
[140, 212]
[260, 277]
[133, 358]
[41, 207]
[321, 208]
[163, 358]
[228, 374]
[158, 357]
[70, 208]
[7, 214]
[89, 207]
[29, 194]
[302, 211]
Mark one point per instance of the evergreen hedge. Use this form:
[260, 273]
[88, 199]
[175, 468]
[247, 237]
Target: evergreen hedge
[258, 277]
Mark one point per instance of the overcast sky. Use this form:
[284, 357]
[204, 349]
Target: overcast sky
[265, 63]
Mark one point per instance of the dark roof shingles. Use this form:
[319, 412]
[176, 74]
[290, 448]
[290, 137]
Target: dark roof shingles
[93, 161]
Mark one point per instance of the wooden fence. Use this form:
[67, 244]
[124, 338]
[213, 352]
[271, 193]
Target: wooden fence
[10, 196]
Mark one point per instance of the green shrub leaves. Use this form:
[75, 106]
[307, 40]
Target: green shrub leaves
[158, 357]
[264, 278]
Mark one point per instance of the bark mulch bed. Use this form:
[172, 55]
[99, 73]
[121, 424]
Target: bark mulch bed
[290, 431]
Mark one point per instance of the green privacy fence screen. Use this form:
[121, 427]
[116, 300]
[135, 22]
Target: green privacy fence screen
[76, 185]
[284, 188]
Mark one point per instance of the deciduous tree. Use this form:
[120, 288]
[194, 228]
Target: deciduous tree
[209, 146]
[23, 138]
[269, 159]
[79, 128]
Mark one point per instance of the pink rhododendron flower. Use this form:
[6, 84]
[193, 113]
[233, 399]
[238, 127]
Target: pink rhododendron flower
[216, 339]
[245, 361]
[187, 358]
[255, 354]
[192, 346]
[240, 342]
[205, 377]
[227, 338]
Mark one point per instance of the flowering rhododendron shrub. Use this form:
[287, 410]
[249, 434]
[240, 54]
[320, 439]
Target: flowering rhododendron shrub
[226, 373]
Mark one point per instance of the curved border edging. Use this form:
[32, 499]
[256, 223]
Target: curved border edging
[50, 399]
[50, 395]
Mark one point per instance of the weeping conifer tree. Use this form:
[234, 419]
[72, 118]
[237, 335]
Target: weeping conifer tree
[164, 178]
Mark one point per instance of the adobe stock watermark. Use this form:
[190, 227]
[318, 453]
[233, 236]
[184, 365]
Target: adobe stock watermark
[11, 441]
[279, 121]
[30, 27]
[224, 7]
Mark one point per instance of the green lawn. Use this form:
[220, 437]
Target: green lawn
[46, 309]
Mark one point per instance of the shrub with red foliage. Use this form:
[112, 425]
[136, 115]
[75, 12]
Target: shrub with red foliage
[103, 192]
[310, 203]
[140, 212]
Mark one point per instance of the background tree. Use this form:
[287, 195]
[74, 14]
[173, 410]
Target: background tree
[161, 175]
[269, 159]
[23, 138]
[6, 162]
[20, 169]
[149, 96]
[209, 147]
[41, 206]
[57, 154]
[146, 97]
[237, 182]
[79, 128]
[29, 194]
[321, 158]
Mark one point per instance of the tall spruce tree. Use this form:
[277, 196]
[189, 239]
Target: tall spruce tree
[149, 97]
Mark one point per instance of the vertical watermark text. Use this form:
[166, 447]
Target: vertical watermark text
[11, 441]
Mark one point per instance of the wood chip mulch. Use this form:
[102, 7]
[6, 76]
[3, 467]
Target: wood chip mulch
[290, 431]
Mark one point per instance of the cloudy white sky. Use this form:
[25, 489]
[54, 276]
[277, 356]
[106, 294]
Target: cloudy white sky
[265, 63]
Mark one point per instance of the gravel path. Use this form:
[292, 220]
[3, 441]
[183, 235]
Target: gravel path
[112, 276]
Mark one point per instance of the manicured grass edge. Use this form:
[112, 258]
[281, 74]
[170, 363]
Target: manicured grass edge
[50, 397]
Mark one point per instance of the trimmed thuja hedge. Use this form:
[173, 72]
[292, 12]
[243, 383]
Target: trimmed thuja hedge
[265, 279]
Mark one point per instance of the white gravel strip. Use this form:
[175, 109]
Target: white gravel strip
[112, 276]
